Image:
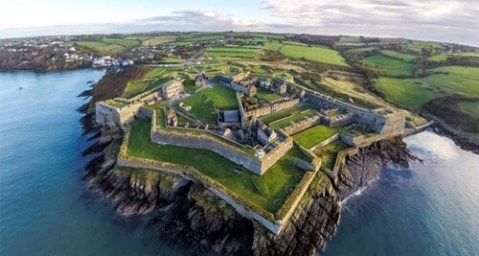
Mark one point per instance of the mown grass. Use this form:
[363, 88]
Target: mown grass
[314, 135]
[314, 53]
[388, 66]
[273, 183]
[205, 103]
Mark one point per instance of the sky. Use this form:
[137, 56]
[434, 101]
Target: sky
[454, 21]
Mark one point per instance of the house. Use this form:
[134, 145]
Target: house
[280, 88]
[229, 118]
[265, 135]
[171, 89]
[171, 118]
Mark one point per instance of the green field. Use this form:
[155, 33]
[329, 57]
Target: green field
[157, 40]
[470, 107]
[101, 47]
[232, 52]
[272, 184]
[273, 46]
[319, 54]
[314, 135]
[363, 50]
[268, 119]
[443, 56]
[125, 42]
[267, 95]
[205, 102]
[388, 66]
[454, 78]
[404, 92]
[399, 55]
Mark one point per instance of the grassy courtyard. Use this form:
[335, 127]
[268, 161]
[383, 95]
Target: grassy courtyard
[314, 135]
[283, 118]
[205, 102]
[329, 153]
[260, 190]
[267, 95]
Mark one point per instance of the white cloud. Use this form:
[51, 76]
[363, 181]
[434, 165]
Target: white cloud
[448, 20]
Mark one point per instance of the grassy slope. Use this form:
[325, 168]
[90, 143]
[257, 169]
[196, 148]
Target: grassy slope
[455, 78]
[404, 92]
[470, 107]
[399, 55]
[273, 183]
[388, 66]
[319, 54]
[312, 136]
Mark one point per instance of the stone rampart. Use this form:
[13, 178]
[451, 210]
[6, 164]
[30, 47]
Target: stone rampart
[302, 125]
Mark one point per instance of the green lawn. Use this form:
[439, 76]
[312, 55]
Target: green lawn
[404, 92]
[205, 102]
[232, 52]
[399, 55]
[388, 66]
[267, 95]
[363, 50]
[272, 184]
[319, 54]
[314, 135]
[470, 107]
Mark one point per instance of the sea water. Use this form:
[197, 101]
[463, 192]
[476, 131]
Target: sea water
[431, 208]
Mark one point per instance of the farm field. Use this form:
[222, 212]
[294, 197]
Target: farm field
[232, 52]
[101, 47]
[404, 92]
[205, 102]
[245, 184]
[157, 40]
[319, 54]
[125, 42]
[399, 55]
[454, 78]
[443, 56]
[273, 46]
[388, 66]
[314, 135]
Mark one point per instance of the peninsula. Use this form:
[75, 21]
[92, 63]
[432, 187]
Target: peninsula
[254, 139]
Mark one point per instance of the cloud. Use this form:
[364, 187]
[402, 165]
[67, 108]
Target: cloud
[446, 20]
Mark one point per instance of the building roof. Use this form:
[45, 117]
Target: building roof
[231, 116]
[225, 79]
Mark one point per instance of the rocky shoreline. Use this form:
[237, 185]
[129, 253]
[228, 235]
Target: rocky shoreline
[208, 223]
